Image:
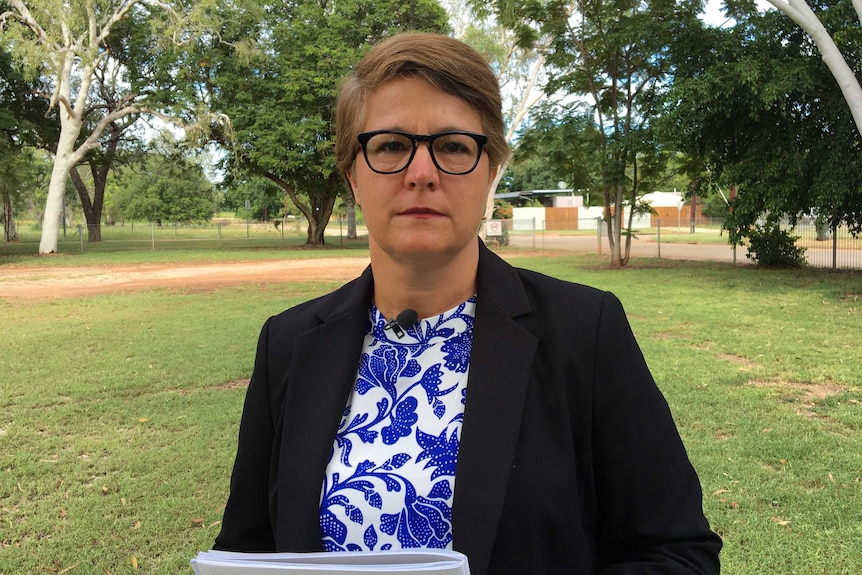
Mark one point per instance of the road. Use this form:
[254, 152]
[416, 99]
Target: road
[648, 247]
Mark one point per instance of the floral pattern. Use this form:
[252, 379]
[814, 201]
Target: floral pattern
[391, 475]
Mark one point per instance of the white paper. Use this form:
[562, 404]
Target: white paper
[405, 562]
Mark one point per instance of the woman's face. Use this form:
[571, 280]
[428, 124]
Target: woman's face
[421, 212]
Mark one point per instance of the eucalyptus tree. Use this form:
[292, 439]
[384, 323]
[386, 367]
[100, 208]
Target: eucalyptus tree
[517, 56]
[279, 95]
[68, 45]
[612, 56]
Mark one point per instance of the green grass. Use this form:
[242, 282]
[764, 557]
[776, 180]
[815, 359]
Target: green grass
[118, 414]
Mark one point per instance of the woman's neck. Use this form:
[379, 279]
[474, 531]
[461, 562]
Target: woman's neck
[428, 286]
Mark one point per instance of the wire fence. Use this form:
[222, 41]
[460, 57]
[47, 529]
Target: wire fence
[703, 240]
[135, 236]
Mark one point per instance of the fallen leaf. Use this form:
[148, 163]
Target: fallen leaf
[137, 525]
[143, 419]
[67, 569]
[779, 521]
[720, 491]
[123, 500]
[197, 521]
[134, 561]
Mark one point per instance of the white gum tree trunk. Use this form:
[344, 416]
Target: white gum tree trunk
[801, 13]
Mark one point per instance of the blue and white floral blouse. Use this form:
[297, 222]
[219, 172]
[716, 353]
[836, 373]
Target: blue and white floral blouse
[391, 476]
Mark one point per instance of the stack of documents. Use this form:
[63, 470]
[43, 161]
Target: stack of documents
[406, 562]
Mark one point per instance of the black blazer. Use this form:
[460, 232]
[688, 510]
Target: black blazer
[569, 459]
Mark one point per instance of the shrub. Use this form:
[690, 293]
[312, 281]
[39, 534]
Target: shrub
[771, 246]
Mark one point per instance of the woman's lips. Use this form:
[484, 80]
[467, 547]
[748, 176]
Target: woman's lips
[427, 212]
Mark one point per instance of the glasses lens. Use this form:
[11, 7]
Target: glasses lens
[456, 153]
[388, 152]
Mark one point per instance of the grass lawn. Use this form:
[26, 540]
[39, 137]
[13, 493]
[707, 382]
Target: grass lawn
[118, 414]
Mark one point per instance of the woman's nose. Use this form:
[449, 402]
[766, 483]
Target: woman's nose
[422, 171]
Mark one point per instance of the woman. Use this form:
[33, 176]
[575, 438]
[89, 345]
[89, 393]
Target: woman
[516, 421]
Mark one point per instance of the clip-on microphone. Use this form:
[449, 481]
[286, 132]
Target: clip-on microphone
[404, 320]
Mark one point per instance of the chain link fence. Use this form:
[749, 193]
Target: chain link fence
[702, 239]
[218, 235]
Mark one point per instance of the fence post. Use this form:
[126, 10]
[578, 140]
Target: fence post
[534, 232]
[153, 234]
[834, 247]
[599, 234]
[658, 235]
[81, 236]
[219, 236]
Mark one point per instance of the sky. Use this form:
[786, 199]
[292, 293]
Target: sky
[713, 16]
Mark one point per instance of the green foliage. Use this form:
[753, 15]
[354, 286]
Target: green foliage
[773, 247]
[163, 187]
[280, 98]
[756, 105]
[266, 200]
[614, 55]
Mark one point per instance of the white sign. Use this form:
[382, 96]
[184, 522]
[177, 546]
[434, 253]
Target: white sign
[493, 228]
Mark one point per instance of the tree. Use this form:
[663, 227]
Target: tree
[117, 140]
[280, 99]
[755, 107]
[614, 57]
[804, 15]
[165, 186]
[264, 197]
[517, 59]
[67, 44]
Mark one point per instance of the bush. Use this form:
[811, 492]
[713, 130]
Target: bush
[770, 246]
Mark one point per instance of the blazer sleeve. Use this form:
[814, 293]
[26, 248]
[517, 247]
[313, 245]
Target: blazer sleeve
[650, 514]
[246, 524]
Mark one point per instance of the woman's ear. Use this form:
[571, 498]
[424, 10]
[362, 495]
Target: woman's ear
[350, 176]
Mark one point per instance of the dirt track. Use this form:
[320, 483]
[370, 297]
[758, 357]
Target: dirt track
[44, 283]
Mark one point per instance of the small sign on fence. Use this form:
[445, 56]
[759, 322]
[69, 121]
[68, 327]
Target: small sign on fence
[493, 228]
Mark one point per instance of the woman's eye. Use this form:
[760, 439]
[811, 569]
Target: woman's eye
[392, 147]
[453, 147]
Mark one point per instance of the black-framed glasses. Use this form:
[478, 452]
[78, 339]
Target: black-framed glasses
[389, 151]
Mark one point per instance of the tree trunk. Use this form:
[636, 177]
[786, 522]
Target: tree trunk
[56, 190]
[317, 224]
[92, 207]
[350, 209]
[9, 230]
[615, 226]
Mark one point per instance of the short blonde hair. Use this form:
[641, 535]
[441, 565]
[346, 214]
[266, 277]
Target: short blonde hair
[449, 65]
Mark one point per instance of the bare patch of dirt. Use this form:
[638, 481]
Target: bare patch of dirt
[807, 394]
[743, 362]
[34, 284]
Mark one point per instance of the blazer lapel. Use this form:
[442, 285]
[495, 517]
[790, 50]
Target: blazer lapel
[325, 362]
[500, 361]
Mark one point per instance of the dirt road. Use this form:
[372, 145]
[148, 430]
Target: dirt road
[44, 283]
